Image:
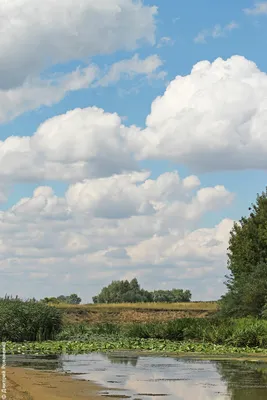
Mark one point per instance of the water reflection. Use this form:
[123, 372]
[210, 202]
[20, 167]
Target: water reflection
[244, 382]
[147, 377]
[122, 358]
[50, 362]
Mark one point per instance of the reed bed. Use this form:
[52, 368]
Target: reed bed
[246, 332]
[28, 320]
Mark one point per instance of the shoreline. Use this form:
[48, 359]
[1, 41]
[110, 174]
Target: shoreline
[29, 384]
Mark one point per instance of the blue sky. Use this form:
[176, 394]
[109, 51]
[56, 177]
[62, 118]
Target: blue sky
[180, 35]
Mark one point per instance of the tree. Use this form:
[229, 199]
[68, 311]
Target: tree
[52, 300]
[120, 292]
[180, 295]
[248, 239]
[130, 292]
[247, 295]
[247, 260]
[171, 296]
[134, 285]
[72, 299]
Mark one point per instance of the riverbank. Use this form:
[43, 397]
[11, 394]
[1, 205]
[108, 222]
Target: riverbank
[135, 312]
[27, 384]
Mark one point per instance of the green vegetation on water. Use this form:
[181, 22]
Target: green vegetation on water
[104, 344]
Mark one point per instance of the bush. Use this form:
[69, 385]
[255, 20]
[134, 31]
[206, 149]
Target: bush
[28, 320]
[84, 331]
[179, 329]
[249, 332]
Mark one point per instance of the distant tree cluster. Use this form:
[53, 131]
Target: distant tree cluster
[130, 292]
[71, 299]
[171, 296]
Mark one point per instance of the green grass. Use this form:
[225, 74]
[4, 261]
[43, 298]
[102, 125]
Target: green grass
[28, 320]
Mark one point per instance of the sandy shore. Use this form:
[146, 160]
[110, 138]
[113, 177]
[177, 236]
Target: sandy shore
[26, 384]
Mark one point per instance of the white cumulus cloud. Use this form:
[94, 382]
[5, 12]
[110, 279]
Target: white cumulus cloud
[109, 228]
[36, 36]
[80, 144]
[215, 118]
[34, 39]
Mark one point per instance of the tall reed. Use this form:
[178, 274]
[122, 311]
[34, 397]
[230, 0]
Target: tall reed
[28, 320]
[235, 332]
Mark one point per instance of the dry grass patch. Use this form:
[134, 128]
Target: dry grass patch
[140, 312]
[198, 305]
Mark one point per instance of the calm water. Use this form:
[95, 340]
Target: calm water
[160, 378]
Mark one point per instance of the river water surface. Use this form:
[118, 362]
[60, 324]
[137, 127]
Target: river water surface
[160, 378]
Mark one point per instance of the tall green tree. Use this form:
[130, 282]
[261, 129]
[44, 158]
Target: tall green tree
[247, 263]
[248, 239]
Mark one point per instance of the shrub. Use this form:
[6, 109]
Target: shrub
[249, 332]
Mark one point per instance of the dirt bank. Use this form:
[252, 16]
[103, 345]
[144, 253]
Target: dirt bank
[25, 384]
[124, 316]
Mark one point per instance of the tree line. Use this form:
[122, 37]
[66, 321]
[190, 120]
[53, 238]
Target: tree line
[71, 299]
[130, 292]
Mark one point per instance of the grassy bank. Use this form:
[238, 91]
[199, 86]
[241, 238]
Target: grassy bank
[139, 312]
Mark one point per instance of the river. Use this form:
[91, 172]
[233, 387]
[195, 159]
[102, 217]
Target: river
[160, 378]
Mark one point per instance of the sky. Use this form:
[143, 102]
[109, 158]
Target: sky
[132, 137]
